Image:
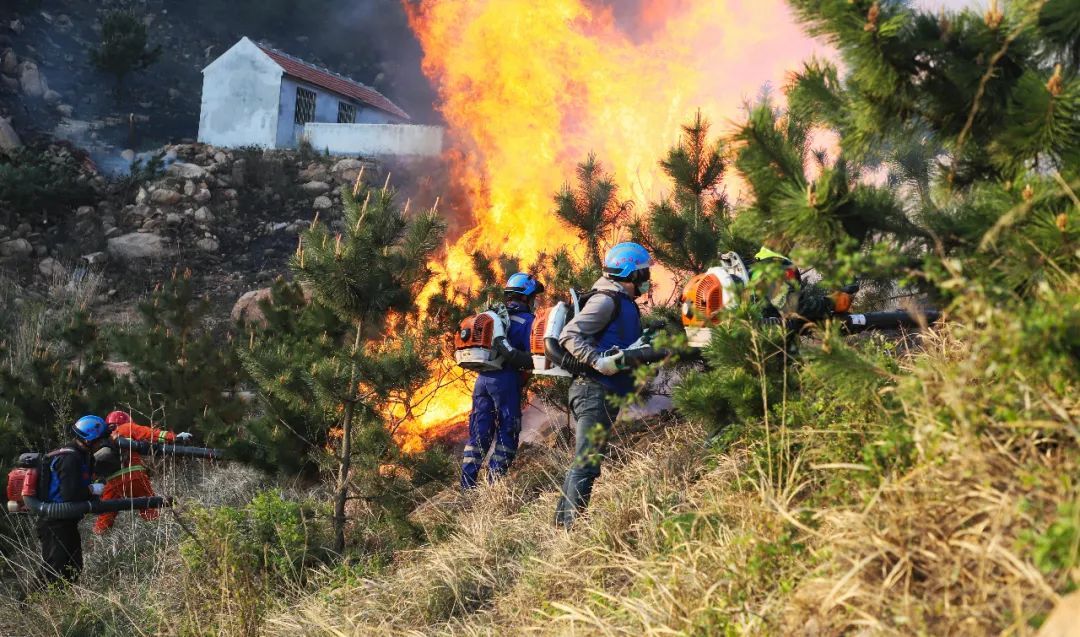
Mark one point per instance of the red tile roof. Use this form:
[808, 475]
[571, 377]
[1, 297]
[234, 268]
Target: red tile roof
[339, 84]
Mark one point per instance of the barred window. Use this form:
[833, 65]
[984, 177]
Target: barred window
[305, 105]
[346, 113]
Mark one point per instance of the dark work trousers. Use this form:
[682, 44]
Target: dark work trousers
[593, 418]
[61, 550]
[496, 416]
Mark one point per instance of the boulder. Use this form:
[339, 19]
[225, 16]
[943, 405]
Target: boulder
[186, 171]
[51, 97]
[315, 187]
[189, 188]
[96, 258]
[9, 62]
[137, 245]
[347, 164]
[203, 215]
[314, 172]
[173, 219]
[207, 244]
[50, 268]
[166, 197]
[31, 80]
[9, 139]
[202, 196]
[129, 156]
[16, 249]
[65, 110]
[322, 202]
[142, 195]
[247, 310]
[122, 369]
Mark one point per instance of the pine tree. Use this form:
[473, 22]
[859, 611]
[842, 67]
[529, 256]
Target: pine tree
[351, 378]
[44, 390]
[994, 97]
[974, 120]
[286, 438]
[592, 208]
[688, 230]
[183, 377]
[124, 47]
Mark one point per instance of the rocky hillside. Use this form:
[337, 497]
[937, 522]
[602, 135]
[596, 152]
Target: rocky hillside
[49, 89]
[231, 217]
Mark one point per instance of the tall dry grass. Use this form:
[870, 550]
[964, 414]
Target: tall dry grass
[683, 541]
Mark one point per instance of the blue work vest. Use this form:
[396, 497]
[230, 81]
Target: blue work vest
[621, 333]
[54, 477]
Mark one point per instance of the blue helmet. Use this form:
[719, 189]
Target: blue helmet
[524, 284]
[624, 259]
[90, 428]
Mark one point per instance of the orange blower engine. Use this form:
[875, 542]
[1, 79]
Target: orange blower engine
[706, 295]
[544, 340]
[475, 344]
[22, 482]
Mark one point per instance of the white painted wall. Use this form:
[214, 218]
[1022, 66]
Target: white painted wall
[372, 140]
[240, 97]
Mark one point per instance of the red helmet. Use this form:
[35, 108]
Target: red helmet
[117, 418]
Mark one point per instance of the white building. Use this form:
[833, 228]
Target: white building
[257, 96]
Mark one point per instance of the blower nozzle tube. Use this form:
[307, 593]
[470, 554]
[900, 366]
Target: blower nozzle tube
[557, 354]
[169, 450]
[76, 510]
[855, 323]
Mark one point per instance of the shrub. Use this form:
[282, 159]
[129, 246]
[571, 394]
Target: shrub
[35, 182]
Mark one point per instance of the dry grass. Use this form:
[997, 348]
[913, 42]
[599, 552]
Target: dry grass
[937, 551]
[680, 541]
[134, 582]
[762, 539]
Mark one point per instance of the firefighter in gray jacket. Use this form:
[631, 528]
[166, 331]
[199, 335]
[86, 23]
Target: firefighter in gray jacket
[609, 321]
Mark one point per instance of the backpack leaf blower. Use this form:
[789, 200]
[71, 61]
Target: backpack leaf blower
[476, 343]
[24, 487]
[707, 295]
[550, 358]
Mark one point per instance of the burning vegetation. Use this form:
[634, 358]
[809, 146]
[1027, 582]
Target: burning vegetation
[914, 483]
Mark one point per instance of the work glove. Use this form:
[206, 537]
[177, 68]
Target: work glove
[183, 436]
[96, 489]
[610, 363]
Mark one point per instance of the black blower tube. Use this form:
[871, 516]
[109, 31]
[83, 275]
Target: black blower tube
[857, 323]
[557, 354]
[76, 510]
[887, 320]
[168, 450]
[517, 359]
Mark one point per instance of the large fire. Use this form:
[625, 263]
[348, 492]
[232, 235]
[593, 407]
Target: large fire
[528, 88]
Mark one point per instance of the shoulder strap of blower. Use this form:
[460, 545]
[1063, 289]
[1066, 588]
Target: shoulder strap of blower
[614, 296]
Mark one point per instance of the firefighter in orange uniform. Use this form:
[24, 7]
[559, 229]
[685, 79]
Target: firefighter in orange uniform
[131, 481]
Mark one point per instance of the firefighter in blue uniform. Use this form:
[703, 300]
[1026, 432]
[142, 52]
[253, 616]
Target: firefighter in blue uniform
[497, 395]
[69, 471]
[609, 321]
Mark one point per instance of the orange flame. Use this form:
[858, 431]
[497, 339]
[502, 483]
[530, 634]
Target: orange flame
[529, 88]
